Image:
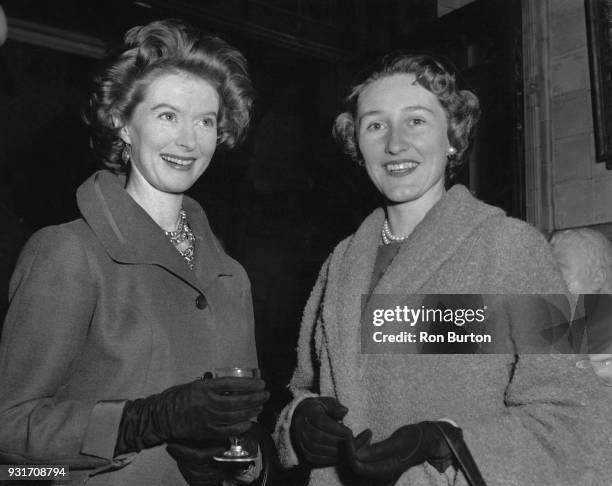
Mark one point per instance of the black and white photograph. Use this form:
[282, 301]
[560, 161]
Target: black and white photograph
[306, 242]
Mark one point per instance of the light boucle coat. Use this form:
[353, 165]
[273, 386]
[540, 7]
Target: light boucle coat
[527, 419]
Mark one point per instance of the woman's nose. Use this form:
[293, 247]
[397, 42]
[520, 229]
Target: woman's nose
[396, 141]
[185, 137]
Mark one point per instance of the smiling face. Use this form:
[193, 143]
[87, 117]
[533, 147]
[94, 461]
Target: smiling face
[172, 133]
[402, 137]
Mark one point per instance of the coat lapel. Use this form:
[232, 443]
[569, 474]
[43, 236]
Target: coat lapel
[434, 240]
[211, 261]
[129, 234]
[350, 271]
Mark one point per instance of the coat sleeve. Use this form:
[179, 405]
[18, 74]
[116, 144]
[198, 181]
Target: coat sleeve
[555, 428]
[304, 383]
[52, 300]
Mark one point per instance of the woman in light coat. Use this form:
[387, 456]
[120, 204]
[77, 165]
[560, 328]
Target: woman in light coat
[525, 418]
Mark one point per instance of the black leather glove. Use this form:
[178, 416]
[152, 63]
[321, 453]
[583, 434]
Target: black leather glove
[195, 463]
[406, 447]
[203, 410]
[317, 433]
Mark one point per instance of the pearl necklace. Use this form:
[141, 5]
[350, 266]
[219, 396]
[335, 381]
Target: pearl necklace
[389, 237]
[183, 239]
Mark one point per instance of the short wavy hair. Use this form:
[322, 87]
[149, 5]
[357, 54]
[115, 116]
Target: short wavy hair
[435, 75]
[162, 47]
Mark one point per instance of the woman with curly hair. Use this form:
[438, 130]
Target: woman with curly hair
[115, 316]
[431, 419]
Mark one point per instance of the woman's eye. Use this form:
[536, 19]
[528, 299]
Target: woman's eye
[374, 126]
[168, 116]
[416, 121]
[207, 122]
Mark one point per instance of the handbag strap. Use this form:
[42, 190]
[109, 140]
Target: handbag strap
[454, 438]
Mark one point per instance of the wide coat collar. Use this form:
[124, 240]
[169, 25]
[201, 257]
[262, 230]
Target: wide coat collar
[129, 235]
[434, 240]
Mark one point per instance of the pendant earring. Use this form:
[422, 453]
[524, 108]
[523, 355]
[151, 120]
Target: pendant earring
[126, 153]
[451, 152]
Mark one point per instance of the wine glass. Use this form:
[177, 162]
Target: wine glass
[236, 453]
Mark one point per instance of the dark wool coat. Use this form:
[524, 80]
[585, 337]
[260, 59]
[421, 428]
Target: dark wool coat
[105, 309]
[527, 419]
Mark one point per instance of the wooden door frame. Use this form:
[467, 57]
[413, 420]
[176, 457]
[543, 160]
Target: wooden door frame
[537, 69]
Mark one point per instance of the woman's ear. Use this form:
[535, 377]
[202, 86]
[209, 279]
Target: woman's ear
[222, 137]
[124, 133]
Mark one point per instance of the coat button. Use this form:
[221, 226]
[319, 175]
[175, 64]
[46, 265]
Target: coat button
[201, 302]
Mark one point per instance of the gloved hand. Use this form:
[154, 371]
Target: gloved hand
[406, 447]
[317, 433]
[203, 410]
[195, 463]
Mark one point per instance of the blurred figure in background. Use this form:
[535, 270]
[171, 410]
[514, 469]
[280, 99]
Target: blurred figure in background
[585, 259]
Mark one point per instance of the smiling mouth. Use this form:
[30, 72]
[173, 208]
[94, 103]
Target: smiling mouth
[176, 161]
[400, 167]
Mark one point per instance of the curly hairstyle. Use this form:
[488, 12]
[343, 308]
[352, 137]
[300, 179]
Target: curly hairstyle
[162, 47]
[461, 106]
